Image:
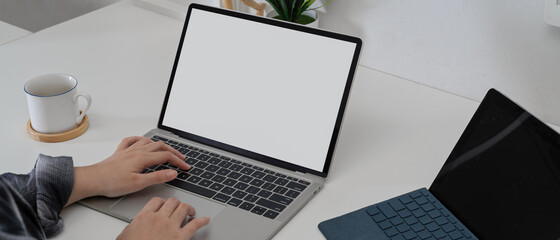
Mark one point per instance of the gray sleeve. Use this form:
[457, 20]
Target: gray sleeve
[46, 189]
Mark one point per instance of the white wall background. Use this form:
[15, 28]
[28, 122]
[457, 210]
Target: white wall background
[34, 15]
[460, 46]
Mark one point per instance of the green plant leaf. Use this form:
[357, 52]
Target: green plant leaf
[322, 5]
[276, 5]
[292, 10]
[304, 7]
[304, 19]
[307, 4]
[285, 12]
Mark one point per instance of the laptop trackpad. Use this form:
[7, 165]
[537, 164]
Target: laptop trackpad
[131, 204]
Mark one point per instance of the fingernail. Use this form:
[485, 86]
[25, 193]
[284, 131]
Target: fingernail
[171, 174]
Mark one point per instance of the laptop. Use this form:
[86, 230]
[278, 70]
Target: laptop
[256, 105]
[501, 181]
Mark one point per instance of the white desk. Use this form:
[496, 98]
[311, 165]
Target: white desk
[10, 32]
[395, 137]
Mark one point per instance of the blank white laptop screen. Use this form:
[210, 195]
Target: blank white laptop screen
[265, 89]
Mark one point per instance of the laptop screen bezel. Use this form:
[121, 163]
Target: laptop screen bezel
[249, 154]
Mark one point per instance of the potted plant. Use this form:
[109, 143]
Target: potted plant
[295, 10]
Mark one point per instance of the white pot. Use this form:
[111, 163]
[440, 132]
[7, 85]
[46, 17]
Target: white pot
[311, 13]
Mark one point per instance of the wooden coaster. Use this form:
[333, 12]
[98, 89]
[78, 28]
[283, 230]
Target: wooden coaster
[58, 137]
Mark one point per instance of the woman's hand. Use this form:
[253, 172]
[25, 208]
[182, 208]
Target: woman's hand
[161, 219]
[120, 173]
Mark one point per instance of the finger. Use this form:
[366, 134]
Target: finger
[194, 225]
[154, 204]
[160, 146]
[141, 142]
[181, 213]
[156, 177]
[127, 142]
[169, 207]
[153, 158]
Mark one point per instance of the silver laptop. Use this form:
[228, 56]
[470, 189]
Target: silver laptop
[256, 105]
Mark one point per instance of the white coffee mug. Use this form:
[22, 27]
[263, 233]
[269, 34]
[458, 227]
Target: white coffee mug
[52, 100]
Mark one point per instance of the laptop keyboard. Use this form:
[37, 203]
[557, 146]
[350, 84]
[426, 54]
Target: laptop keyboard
[251, 188]
[417, 215]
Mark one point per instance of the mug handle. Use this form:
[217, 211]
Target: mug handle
[88, 99]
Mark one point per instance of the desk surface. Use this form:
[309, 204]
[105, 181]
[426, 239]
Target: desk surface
[395, 137]
[10, 32]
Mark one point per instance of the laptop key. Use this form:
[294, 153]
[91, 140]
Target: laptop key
[212, 168]
[193, 154]
[270, 204]
[218, 178]
[258, 210]
[183, 150]
[292, 194]
[282, 190]
[270, 178]
[183, 175]
[236, 167]
[296, 186]
[201, 165]
[281, 199]
[225, 164]
[268, 186]
[247, 171]
[161, 138]
[234, 175]
[258, 174]
[203, 157]
[191, 161]
[246, 206]
[252, 190]
[239, 194]
[221, 197]
[205, 183]
[304, 182]
[192, 188]
[196, 171]
[207, 175]
[214, 161]
[280, 175]
[223, 172]
[194, 179]
[235, 202]
[229, 182]
[281, 181]
[216, 186]
[264, 194]
[251, 198]
[245, 179]
[241, 186]
[227, 190]
[270, 214]
[257, 182]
